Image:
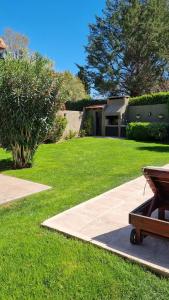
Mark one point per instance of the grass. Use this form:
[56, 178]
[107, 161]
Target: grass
[36, 263]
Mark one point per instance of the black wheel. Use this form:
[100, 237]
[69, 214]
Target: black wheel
[133, 237]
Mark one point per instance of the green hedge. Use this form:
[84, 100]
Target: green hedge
[144, 131]
[79, 105]
[155, 98]
[149, 99]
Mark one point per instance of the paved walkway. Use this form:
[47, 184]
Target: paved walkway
[103, 221]
[12, 188]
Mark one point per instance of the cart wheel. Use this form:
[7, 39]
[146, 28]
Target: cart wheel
[133, 237]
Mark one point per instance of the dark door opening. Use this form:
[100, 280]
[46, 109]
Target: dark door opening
[98, 123]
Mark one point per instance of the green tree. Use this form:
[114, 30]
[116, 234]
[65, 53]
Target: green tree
[83, 76]
[128, 48]
[72, 86]
[29, 91]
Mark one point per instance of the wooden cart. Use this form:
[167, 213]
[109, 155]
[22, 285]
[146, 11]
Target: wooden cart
[141, 218]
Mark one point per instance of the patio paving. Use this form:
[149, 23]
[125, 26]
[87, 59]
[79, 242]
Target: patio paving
[103, 221]
[12, 188]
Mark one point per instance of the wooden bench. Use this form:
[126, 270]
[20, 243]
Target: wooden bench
[142, 218]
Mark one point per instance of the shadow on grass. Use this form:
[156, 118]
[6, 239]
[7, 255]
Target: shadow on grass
[6, 164]
[154, 148]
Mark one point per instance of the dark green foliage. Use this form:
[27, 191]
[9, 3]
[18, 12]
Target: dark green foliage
[137, 131]
[128, 47]
[88, 123]
[28, 102]
[149, 99]
[83, 76]
[82, 133]
[144, 131]
[57, 129]
[79, 105]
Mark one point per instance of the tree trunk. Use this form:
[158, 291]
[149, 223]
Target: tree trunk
[22, 157]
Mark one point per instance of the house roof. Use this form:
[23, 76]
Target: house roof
[118, 97]
[101, 106]
[2, 44]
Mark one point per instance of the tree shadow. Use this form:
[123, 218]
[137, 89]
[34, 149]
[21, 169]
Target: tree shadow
[6, 164]
[154, 148]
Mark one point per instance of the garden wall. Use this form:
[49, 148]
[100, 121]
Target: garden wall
[148, 113]
[74, 120]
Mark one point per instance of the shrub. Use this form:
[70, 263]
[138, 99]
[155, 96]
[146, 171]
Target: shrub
[148, 131]
[149, 99]
[28, 101]
[82, 133]
[57, 130]
[71, 134]
[137, 131]
[79, 105]
[159, 131]
[88, 123]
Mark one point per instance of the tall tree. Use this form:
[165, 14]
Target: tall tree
[17, 43]
[83, 76]
[72, 86]
[128, 48]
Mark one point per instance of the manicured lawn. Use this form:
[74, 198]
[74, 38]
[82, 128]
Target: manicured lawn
[36, 263]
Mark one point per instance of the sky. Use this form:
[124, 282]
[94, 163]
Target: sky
[56, 28]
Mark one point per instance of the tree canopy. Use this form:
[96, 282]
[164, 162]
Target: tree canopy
[72, 86]
[82, 75]
[16, 42]
[128, 47]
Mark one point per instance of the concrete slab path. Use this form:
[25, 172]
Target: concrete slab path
[103, 221]
[12, 188]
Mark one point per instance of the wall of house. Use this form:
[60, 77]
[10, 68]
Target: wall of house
[74, 120]
[148, 113]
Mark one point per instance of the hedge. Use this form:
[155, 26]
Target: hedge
[79, 105]
[155, 98]
[144, 131]
[149, 99]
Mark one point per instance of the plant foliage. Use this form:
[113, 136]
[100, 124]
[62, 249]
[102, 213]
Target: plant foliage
[80, 104]
[128, 47]
[72, 86]
[88, 123]
[57, 130]
[28, 102]
[145, 131]
[150, 99]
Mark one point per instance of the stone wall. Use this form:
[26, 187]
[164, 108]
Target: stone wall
[74, 120]
[148, 113]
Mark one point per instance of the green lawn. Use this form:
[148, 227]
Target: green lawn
[36, 263]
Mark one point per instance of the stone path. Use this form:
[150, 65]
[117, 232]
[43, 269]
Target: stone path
[12, 188]
[103, 221]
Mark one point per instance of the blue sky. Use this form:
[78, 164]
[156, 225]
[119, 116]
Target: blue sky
[56, 28]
